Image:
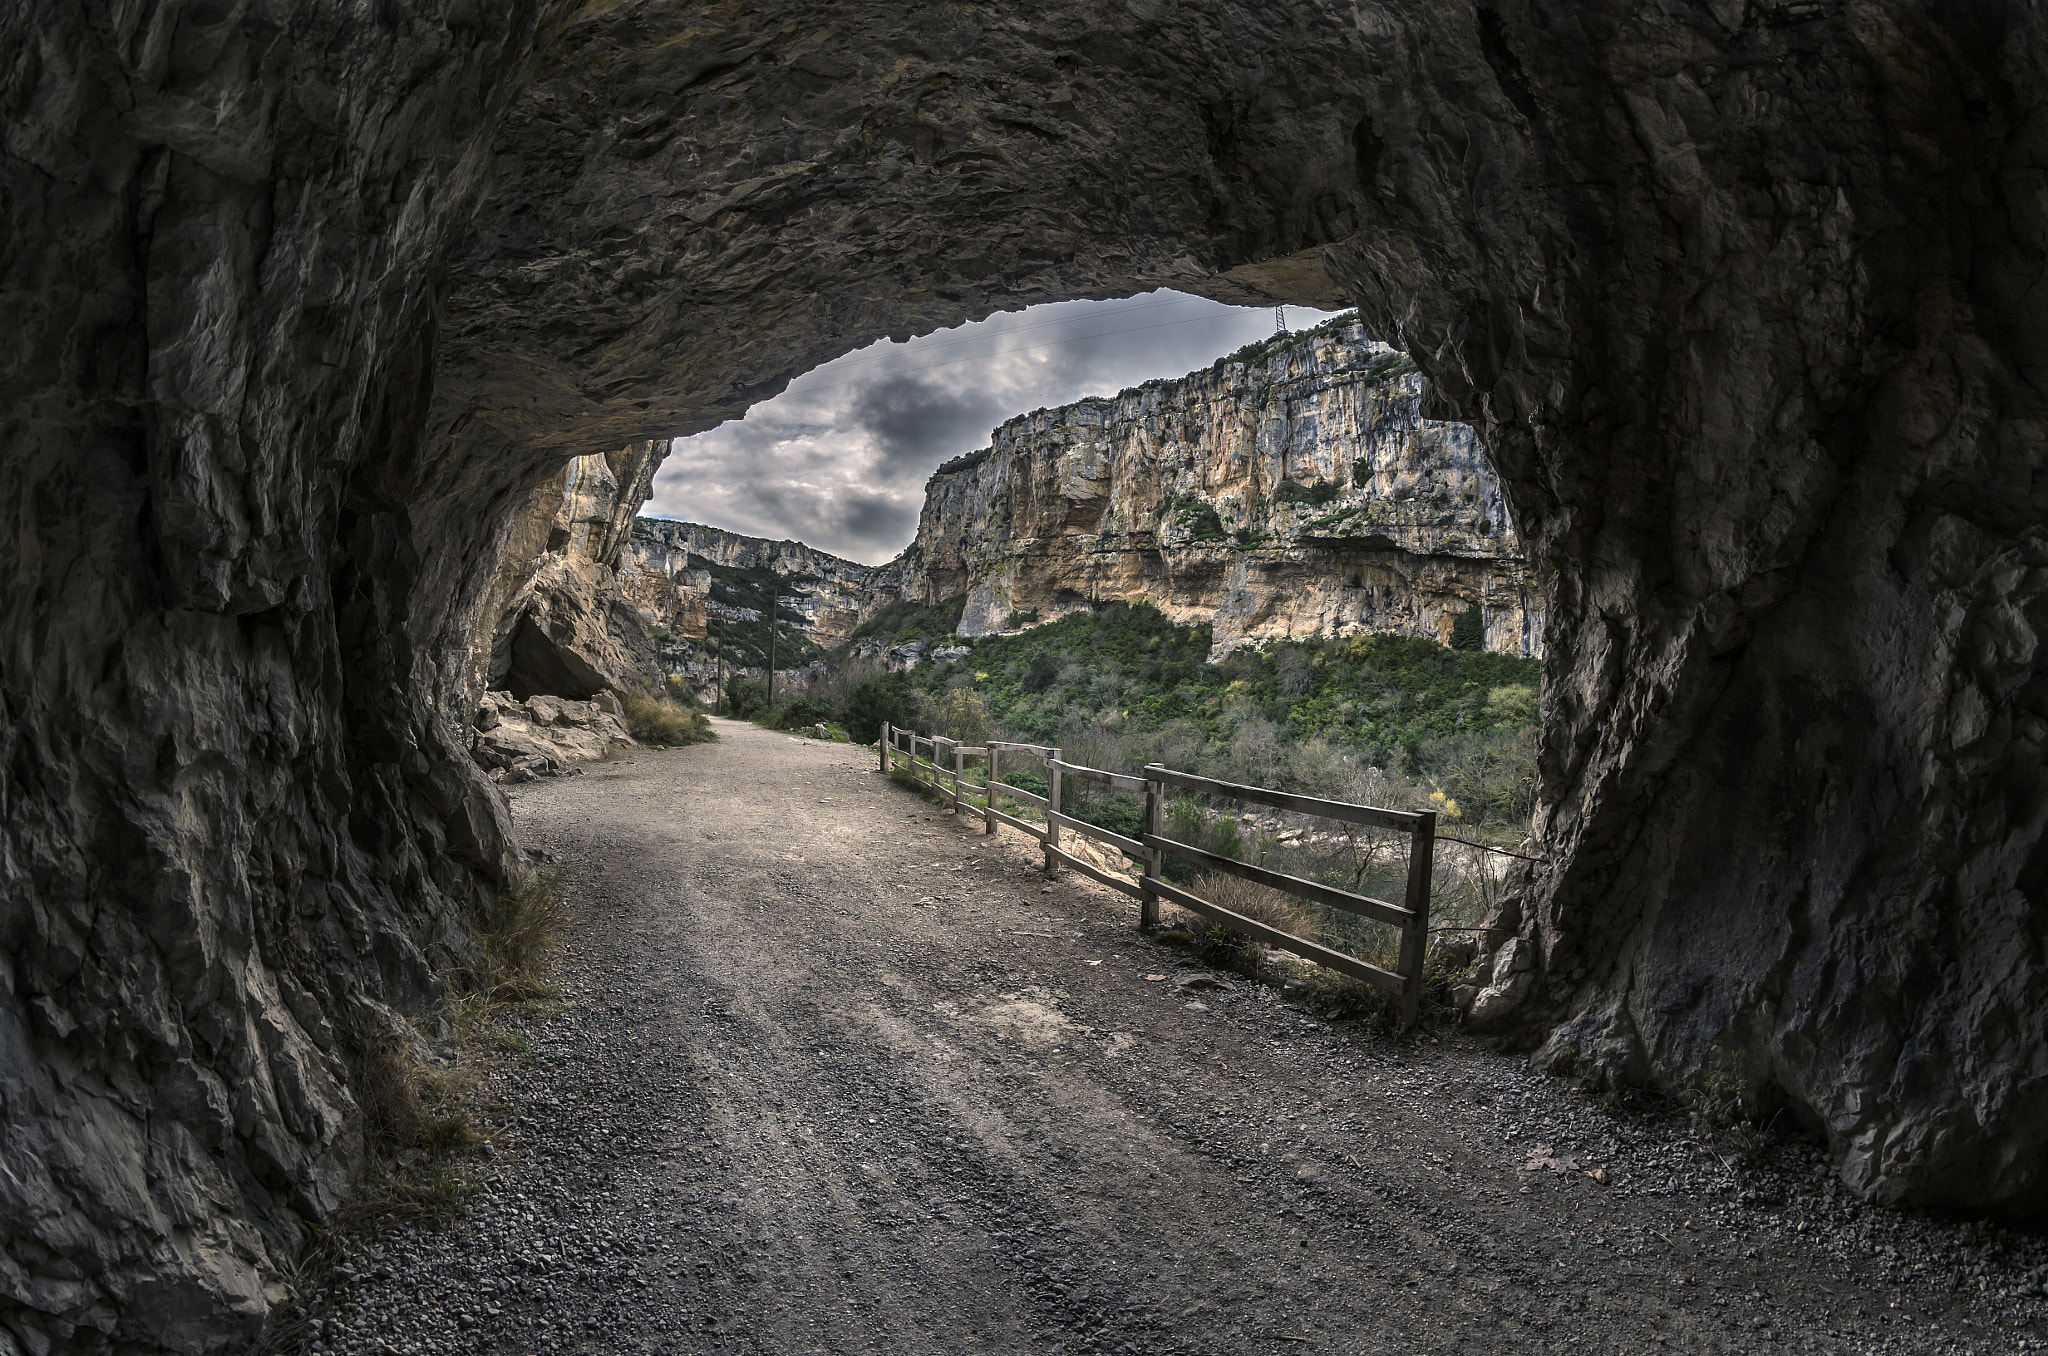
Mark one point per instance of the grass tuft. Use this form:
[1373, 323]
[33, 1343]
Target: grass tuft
[1260, 903]
[653, 721]
[420, 1111]
[1725, 1103]
[416, 1121]
[516, 928]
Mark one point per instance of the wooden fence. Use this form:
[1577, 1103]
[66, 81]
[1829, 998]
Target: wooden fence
[1411, 916]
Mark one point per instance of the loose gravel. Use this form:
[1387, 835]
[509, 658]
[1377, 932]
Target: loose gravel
[836, 1073]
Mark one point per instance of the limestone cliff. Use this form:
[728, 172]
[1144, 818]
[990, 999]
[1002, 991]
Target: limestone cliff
[1293, 490]
[824, 597]
[559, 625]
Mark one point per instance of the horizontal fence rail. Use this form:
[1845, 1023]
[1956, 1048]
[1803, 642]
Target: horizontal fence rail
[899, 750]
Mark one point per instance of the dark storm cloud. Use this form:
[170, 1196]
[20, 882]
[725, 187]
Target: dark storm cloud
[873, 517]
[916, 422]
[839, 459]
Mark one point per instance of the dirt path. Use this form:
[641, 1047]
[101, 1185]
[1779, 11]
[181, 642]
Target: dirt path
[839, 1074]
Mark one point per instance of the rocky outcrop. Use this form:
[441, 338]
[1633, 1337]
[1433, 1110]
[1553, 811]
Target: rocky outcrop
[1294, 491]
[545, 736]
[562, 624]
[304, 302]
[825, 597]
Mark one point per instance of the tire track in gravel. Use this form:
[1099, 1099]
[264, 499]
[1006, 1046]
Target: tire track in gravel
[838, 1074]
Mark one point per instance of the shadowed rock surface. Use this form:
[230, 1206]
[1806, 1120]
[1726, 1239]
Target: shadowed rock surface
[1745, 302]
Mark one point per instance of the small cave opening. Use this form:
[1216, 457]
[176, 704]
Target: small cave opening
[537, 666]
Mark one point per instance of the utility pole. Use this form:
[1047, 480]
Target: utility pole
[774, 606]
[1279, 320]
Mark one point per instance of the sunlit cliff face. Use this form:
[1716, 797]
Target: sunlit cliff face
[306, 304]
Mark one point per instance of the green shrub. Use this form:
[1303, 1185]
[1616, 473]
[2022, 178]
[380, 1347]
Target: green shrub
[870, 702]
[1514, 704]
[795, 713]
[1468, 632]
[1041, 672]
[966, 461]
[745, 700]
[1119, 813]
[962, 716]
[1199, 519]
[1025, 781]
[1390, 367]
[1294, 492]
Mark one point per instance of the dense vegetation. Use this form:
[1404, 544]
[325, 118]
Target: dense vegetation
[1373, 717]
[905, 621]
[1396, 721]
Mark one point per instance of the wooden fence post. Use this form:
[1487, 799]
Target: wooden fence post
[1052, 804]
[884, 742]
[1415, 936]
[988, 813]
[1155, 825]
[959, 773]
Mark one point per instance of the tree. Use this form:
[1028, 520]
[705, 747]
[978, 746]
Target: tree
[870, 702]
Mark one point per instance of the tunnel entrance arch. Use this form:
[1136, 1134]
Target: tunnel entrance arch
[1740, 302]
[1688, 470]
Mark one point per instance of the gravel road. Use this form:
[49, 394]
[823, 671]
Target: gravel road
[836, 1073]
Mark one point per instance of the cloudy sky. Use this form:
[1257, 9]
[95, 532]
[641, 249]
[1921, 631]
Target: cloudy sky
[839, 459]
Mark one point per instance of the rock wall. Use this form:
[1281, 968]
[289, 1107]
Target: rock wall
[1298, 492]
[238, 817]
[561, 624]
[305, 301]
[544, 736]
[827, 598]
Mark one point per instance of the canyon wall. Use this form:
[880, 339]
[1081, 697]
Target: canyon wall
[827, 595]
[1295, 492]
[305, 300]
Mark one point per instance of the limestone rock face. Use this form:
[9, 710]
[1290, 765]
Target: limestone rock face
[238, 816]
[544, 736]
[827, 595]
[1296, 493]
[561, 625]
[305, 301]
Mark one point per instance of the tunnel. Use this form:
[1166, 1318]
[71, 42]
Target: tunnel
[1744, 299]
